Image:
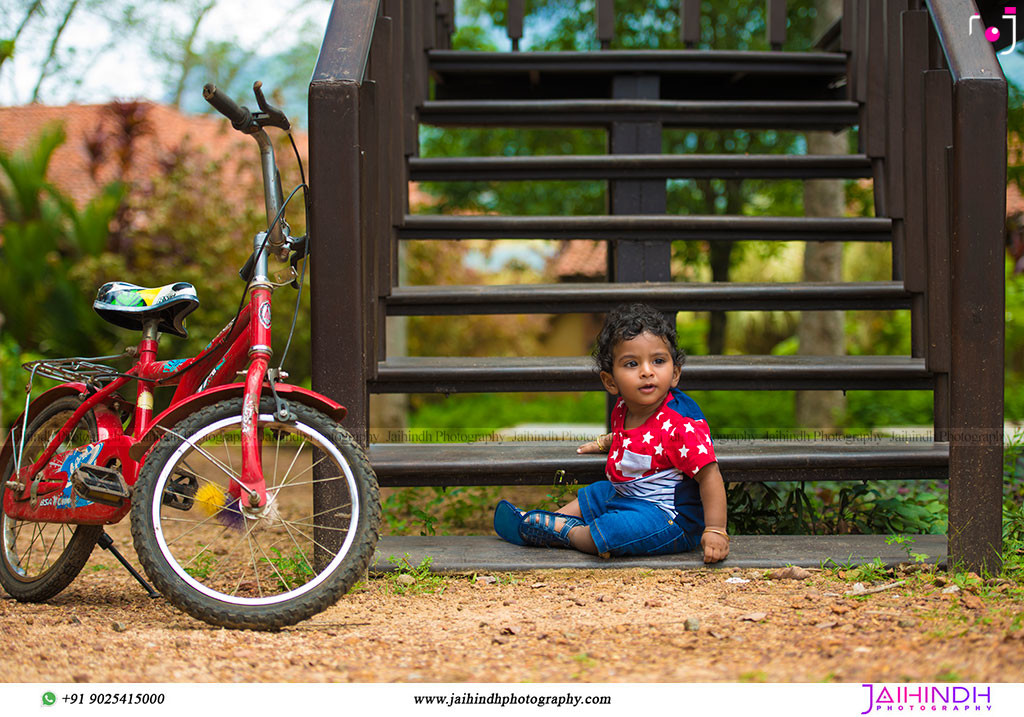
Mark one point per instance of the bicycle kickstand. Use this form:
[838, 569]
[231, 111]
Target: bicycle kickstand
[107, 543]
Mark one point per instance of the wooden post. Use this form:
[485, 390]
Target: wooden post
[977, 303]
[605, 10]
[630, 260]
[776, 23]
[336, 274]
[938, 136]
[689, 22]
[514, 22]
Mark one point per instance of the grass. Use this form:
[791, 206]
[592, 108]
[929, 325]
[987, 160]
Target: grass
[423, 581]
[753, 676]
[202, 565]
[291, 571]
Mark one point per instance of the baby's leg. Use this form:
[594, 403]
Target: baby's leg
[579, 537]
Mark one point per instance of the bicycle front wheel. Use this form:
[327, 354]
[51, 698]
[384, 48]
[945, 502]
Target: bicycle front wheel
[230, 565]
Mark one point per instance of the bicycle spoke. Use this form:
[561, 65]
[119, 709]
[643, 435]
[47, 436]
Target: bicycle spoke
[298, 548]
[314, 481]
[209, 456]
[46, 557]
[328, 510]
[307, 470]
[198, 474]
[194, 527]
[298, 452]
[266, 557]
[23, 561]
[315, 543]
[297, 524]
[255, 568]
[277, 451]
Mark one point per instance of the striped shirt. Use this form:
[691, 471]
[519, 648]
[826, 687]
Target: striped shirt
[671, 446]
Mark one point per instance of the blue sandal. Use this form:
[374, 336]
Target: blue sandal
[537, 528]
[507, 518]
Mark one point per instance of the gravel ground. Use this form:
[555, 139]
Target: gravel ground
[548, 626]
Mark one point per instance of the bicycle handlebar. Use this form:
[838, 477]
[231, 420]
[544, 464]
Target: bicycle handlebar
[241, 117]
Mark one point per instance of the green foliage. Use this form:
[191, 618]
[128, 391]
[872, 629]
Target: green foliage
[427, 510]
[906, 542]
[832, 508]
[202, 565]
[562, 492]
[1013, 503]
[46, 241]
[290, 571]
[405, 506]
[487, 412]
[423, 581]
[1014, 346]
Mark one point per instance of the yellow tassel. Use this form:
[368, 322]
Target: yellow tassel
[210, 498]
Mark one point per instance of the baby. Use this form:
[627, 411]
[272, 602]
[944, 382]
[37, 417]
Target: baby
[664, 492]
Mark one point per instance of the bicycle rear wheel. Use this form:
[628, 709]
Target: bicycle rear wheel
[38, 560]
[229, 565]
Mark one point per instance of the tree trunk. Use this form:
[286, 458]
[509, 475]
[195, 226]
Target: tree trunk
[821, 333]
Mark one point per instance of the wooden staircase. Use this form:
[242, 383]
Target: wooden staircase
[368, 98]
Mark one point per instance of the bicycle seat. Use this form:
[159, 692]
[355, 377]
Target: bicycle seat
[129, 306]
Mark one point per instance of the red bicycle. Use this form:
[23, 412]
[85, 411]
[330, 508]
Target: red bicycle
[251, 507]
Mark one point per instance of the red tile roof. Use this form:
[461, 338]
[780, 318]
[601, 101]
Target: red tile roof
[72, 168]
[582, 260]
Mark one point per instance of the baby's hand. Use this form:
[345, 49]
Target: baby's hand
[716, 547]
[601, 445]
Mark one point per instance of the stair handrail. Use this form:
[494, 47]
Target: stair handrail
[345, 51]
[967, 58]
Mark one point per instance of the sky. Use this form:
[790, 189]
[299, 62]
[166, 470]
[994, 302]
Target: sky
[130, 73]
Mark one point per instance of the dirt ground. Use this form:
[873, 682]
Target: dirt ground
[553, 626]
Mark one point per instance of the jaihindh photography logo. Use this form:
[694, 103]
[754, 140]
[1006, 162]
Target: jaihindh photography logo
[927, 698]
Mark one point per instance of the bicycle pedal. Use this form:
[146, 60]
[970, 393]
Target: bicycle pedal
[181, 490]
[100, 485]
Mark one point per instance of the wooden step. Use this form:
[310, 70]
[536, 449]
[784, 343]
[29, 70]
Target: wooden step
[610, 62]
[535, 462]
[448, 374]
[640, 166]
[570, 298]
[647, 227]
[485, 554]
[733, 114]
[682, 74]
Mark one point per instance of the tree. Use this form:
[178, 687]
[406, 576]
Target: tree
[821, 333]
[57, 43]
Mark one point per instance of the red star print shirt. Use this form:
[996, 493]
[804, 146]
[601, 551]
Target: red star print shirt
[671, 446]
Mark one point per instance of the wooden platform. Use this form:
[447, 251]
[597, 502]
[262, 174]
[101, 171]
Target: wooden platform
[483, 553]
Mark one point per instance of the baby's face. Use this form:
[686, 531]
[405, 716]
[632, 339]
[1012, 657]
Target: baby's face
[642, 372]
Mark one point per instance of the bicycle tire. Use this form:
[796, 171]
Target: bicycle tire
[29, 569]
[223, 563]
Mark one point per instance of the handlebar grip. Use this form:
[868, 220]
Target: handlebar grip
[241, 117]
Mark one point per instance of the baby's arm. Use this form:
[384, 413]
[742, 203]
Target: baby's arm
[601, 445]
[715, 540]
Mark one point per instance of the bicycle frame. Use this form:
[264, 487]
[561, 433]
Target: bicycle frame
[45, 493]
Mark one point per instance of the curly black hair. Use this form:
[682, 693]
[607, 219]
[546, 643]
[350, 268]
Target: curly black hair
[627, 321]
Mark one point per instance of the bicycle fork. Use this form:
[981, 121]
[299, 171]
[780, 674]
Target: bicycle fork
[252, 480]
